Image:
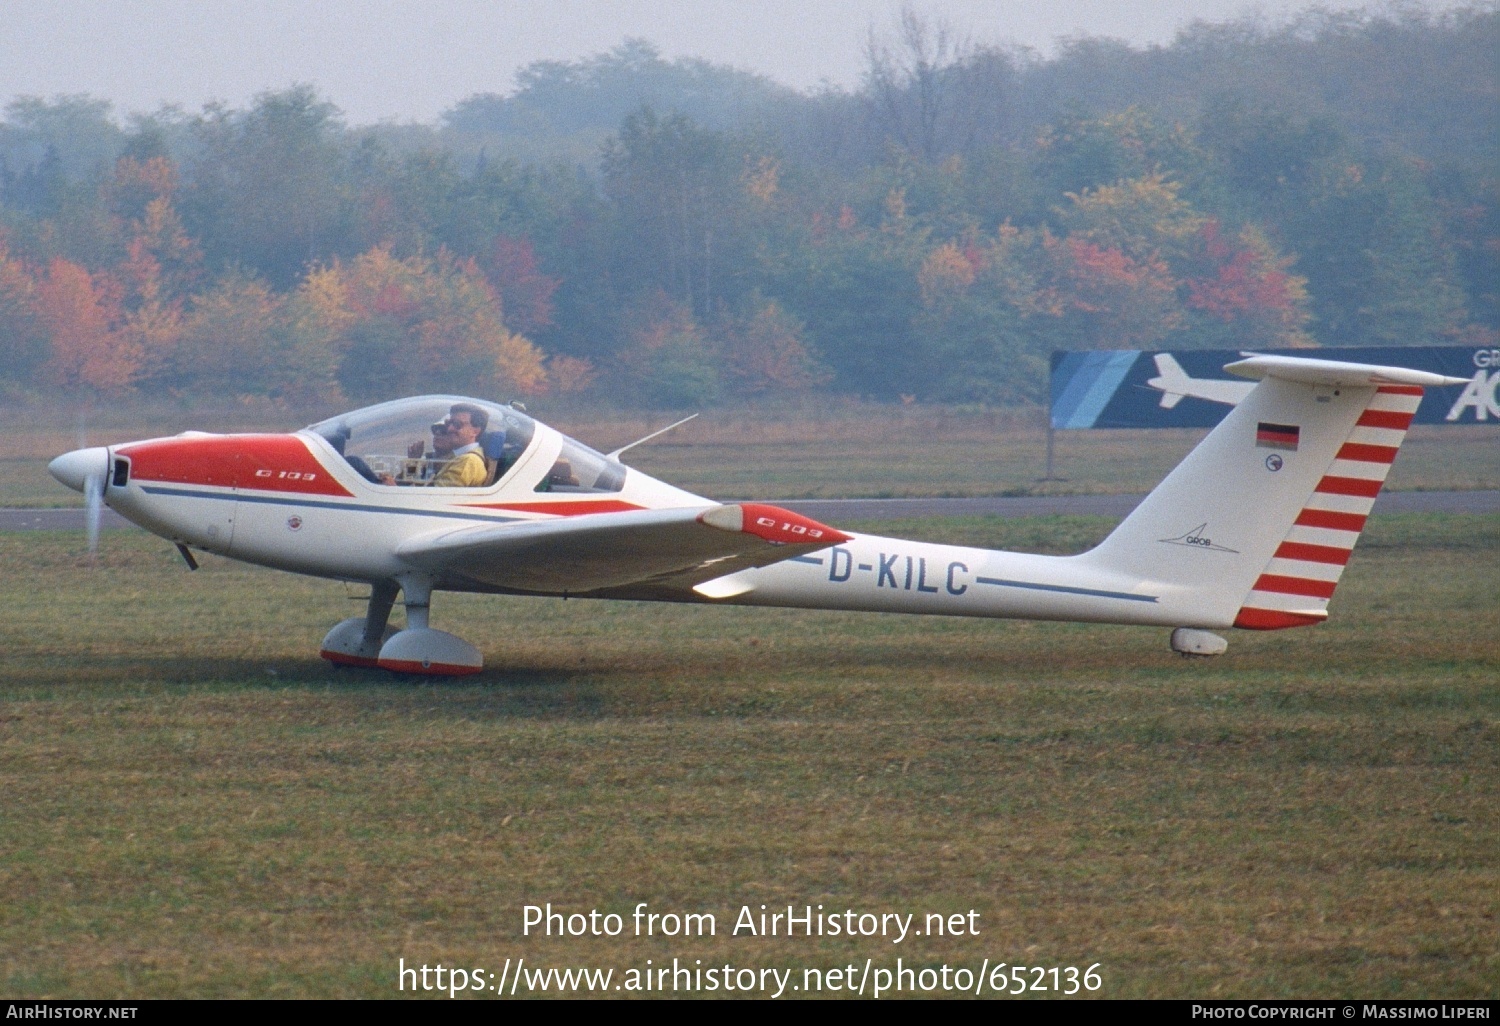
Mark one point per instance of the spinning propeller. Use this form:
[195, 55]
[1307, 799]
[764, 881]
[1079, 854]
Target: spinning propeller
[85, 470]
[93, 506]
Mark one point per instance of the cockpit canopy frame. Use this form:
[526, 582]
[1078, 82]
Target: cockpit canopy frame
[390, 444]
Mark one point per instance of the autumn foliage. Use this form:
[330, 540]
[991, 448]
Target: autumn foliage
[935, 234]
[83, 317]
[416, 324]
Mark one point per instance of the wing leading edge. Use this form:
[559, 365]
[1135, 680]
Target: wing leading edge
[583, 554]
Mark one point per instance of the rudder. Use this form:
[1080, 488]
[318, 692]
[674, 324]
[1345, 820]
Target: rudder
[1294, 588]
[1254, 527]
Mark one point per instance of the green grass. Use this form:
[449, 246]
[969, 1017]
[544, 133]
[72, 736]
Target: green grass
[195, 805]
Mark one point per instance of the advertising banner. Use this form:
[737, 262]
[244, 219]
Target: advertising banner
[1133, 388]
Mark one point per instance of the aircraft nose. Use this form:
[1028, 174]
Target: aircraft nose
[75, 468]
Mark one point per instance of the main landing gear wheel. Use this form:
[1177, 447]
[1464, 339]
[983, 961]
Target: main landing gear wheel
[368, 641]
[357, 641]
[423, 650]
[347, 644]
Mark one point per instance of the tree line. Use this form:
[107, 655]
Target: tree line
[667, 233]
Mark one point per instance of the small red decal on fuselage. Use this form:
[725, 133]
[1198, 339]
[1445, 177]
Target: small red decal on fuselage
[270, 463]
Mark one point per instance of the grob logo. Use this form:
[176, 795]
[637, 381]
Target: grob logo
[1197, 540]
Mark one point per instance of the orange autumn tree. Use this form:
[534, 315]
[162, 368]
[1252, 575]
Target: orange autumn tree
[23, 340]
[398, 326]
[1138, 266]
[234, 340]
[1112, 275]
[1246, 292]
[766, 351]
[946, 275]
[1107, 297]
[139, 197]
[82, 316]
[161, 264]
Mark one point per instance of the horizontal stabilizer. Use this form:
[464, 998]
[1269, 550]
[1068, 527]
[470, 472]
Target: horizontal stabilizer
[1336, 373]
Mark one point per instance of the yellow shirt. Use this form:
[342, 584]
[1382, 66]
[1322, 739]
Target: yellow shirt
[465, 471]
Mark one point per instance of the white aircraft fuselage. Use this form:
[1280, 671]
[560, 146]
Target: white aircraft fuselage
[1251, 530]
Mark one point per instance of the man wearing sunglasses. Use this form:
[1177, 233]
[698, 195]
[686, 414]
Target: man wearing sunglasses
[455, 443]
[456, 439]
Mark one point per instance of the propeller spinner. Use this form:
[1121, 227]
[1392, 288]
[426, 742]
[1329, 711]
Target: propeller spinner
[85, 470]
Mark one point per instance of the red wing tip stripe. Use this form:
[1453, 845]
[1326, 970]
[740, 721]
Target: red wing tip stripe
[775, 524]
[1367, 453]
[1331, 520]
[1313, 553]
[1295, 586]
[1400, 389]
[1252, 619]
[1385, 419]
[1331, 485]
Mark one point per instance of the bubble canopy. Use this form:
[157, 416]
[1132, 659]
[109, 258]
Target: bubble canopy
[392, 444]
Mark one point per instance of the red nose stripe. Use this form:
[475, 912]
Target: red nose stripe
[201, 461]
[283, 463]
[271, 463]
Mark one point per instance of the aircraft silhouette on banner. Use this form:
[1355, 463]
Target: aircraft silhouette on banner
[1175, 384]
[445, 493]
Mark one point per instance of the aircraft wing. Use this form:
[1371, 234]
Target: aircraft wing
[582, 554]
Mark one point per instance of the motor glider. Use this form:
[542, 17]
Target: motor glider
[1251, 530]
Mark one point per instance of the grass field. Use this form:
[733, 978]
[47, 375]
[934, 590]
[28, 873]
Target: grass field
[194, 804]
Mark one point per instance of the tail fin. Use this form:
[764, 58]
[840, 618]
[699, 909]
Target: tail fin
[1254, 527]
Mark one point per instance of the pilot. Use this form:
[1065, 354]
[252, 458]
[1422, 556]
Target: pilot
[455, 442]
[456, 439]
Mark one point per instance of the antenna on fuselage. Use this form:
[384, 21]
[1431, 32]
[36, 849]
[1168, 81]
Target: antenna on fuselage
[616, 454]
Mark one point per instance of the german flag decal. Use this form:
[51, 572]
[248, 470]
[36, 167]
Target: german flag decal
[1277, 436]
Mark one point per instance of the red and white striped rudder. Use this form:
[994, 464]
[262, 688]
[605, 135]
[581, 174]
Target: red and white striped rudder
[1253, 528]
[1294, 588]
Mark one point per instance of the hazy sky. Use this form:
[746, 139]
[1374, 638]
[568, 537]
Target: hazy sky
[409, 60]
